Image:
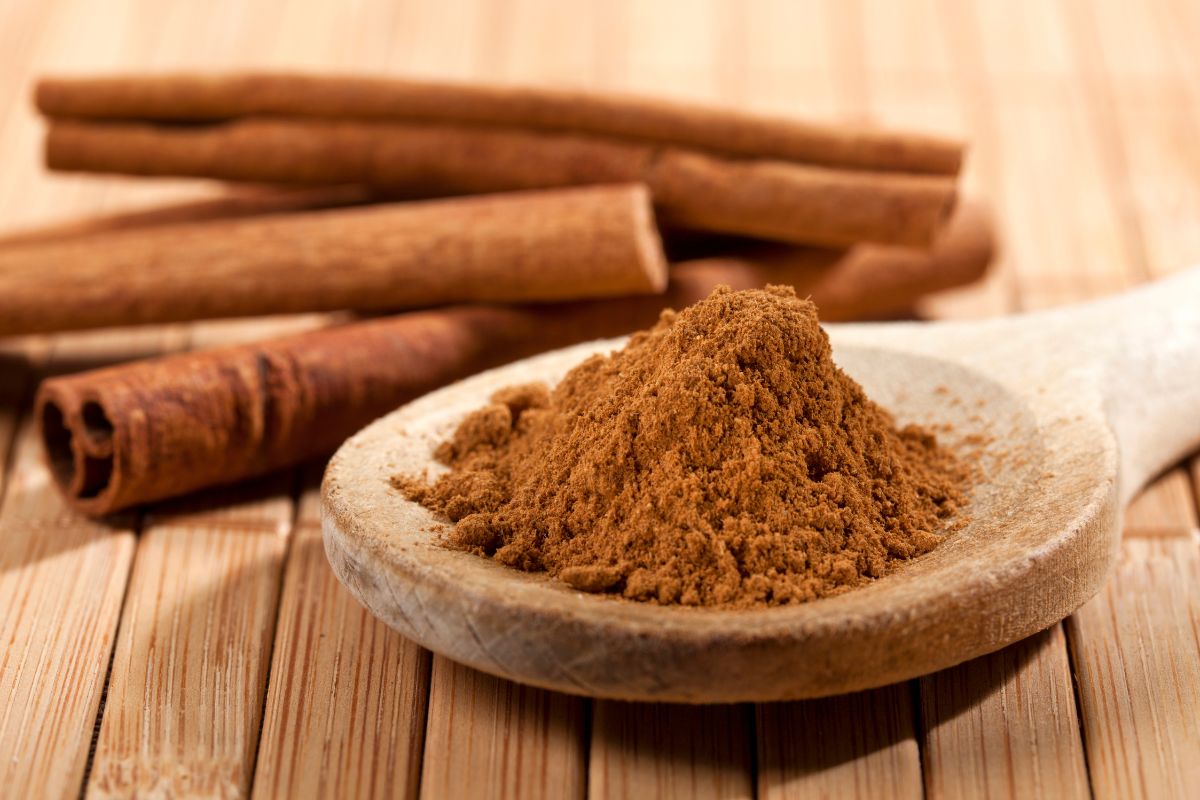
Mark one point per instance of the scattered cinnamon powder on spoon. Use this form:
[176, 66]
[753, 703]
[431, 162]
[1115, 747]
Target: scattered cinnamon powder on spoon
[720, 459]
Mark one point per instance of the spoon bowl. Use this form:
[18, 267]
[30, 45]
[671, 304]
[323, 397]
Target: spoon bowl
[1063, 414]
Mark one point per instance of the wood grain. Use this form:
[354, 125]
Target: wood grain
[1005, 725]
[491, 738]
[189, 671]
[62, 582]
[1165, 505]
[345, 713]
[671, 751]
[1004, 71]
[861, 745]
[1137, 652]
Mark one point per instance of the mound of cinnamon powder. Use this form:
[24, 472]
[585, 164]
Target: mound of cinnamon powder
[720, 458]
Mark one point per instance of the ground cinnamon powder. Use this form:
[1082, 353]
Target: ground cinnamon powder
[720, 458]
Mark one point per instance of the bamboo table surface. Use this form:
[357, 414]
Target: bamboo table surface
[204, 648]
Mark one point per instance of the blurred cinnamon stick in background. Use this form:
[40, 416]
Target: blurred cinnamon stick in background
[785, 201]
[198, 98]
[566, 244]
[139, 432]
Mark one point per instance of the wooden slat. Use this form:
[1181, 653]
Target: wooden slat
[1137, 652]
[1155, 107]
[957, 27]
[1165, 505]
[490, 738]
[345, 714]
[1137, 661]
[670, 751]
[62, 581]
[1100, 105]
[187, 695]
[1005, 725]
[189, 672]
[345, 708]
[861, 745]
[787, 62]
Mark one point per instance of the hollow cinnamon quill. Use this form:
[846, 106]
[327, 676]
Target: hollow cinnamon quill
[184, 98]
[143, 431]
[554, 245]
[777, 200]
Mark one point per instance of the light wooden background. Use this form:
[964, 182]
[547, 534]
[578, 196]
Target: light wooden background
[205, 649]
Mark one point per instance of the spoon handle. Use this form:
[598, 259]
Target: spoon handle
[1146, 346]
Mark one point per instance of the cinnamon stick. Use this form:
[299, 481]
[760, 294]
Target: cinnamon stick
[139, 432]
[772, 199]
[554, 245]
[186, 98]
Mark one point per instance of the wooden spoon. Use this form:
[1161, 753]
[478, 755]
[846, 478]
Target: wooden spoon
[1076, 409]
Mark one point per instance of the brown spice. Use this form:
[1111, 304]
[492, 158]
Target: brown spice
[720, 458]
[778, 200]
[540, 246]
[205, 97]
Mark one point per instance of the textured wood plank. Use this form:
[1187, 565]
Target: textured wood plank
[1165, 505]
[788, 58]
[924, 70]
[490, 738]
[345, 714]
[189, 671]
[1155, 106]
[62, 580]
[670, 751]
[1137, 652]
[860, 745]
[1005, 725]
[1131, 645]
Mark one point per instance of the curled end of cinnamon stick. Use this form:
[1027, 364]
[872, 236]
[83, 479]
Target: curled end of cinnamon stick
[77, 435]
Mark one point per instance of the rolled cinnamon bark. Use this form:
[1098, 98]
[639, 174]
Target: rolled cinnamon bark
[183, 97]
[556, 245]
[772, 199]
[794, 203]
[139, 432]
